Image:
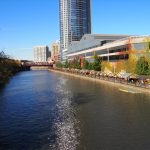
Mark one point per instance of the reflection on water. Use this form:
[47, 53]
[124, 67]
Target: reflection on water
[65, 123]
[36, 112]
[40, 110]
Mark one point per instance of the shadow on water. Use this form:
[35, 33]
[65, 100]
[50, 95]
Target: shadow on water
[83, 98]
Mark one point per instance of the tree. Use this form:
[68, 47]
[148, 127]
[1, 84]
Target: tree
[59, 65]
[131, 63]
[85, 64]
[142, 66]
[97, 63]
[77, 64]
[147, 53]
[66, 64]
[119, 66]
[8, 67]
[90, 66]
[107, 66]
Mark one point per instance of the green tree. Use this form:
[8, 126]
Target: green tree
[90, 66]
[85, 64]
[59, 65]
[76, 63]
[97, 63]
[142, 66]
[66, 64]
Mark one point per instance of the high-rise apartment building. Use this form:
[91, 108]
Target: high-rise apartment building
[75, 21]
[41, 53]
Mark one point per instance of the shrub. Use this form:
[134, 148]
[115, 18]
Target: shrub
[85, 64]
[97, 63]
[142, 66]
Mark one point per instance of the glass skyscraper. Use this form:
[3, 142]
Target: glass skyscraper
[75, 21]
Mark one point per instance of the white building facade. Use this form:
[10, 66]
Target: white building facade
[64, 15]
[41, 53]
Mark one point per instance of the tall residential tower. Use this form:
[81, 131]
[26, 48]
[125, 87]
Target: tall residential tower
[75, 21]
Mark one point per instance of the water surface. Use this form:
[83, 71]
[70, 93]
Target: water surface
[41, 110]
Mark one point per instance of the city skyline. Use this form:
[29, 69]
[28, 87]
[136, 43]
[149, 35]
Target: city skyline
[25, 24]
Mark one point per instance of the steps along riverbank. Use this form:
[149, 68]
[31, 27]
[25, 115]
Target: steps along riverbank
[121, 85]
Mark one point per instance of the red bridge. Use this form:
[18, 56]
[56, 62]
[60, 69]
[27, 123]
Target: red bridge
[32, 64]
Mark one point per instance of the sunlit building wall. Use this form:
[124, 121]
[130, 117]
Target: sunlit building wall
[55, 51]
[41, 53]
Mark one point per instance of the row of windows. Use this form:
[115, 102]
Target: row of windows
[105, 51]
[115, 57]
[109, 58]
[123, 49]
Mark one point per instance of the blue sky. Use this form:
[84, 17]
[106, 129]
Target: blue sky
[27, 23]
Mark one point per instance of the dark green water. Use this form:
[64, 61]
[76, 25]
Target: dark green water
[40, 110]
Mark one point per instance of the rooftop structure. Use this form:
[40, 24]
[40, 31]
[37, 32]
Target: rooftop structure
[89, 41]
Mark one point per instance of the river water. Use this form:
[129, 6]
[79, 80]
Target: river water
[41, 110]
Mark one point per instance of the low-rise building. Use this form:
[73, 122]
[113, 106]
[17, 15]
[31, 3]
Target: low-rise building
[111, 48]
[90, 41]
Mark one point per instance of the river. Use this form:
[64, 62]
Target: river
[41, 110]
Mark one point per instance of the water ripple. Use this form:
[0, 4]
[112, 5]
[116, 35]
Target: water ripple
[65, 126]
